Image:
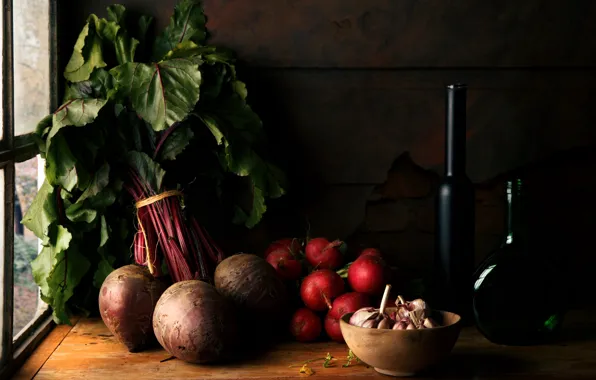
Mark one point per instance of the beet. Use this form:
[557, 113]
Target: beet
[332, 328]
[319, 288]
[194, 323]
[323, 254]
[348, 303]
[127, 299]
[253, 286]
[285, 264]
[292, 246]
[370, 252]
[305, 325]
[367, 275]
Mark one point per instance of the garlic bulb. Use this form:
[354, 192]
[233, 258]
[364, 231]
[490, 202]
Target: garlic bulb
[370, 323]
[362, 315]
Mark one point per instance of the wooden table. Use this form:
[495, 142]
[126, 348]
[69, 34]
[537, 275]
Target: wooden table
[88, 351]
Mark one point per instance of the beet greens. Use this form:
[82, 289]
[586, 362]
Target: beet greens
[132, 126]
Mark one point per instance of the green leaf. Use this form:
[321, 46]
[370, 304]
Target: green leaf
[76, 112]
[188, 50]
[86, 56]
[71, 267]
[161, 93]
[126, 47]
[147, 169]
[187, 24]
[144, 25]
[103, 270]
[61, 164]
[254, 216]
[41, 268]
[99, 85]
[104, 232]
[176, 143]
[78, 213]
[58, 270]
[99, 182]
[42, 212]
[240, 88]
[41, 131]
[116, 13]
[213, 128]
[107, 30]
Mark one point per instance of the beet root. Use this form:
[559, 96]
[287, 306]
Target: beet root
[286, 266]
[305, 325]
[127, 299]
[323, 254]
[333, 329]
[370, 252]
[367, 275]
[194, 323]
[292, 246]
[348, 303]
[319, 288]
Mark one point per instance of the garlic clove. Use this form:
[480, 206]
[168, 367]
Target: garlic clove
[400, 326]
[386, 323]
[370, 324]
[429, 323]
[360, 316]
[411, 327]
[419, 305]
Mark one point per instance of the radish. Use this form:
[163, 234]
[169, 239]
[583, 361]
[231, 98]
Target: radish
[305, 325]
[292, 246]
[370, 252]
[323, 254]
[319, 288]
[332, 328]
[367, 275]
[348, 303]
[285, 264]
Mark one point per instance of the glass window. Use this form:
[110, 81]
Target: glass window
[31, 63]
[26, 246]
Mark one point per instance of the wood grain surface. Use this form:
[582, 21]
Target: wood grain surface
[91, 352]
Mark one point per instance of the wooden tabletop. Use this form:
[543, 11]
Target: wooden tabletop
[88, 351]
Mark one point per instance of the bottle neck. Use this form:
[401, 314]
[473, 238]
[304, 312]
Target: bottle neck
[455, 130]
[516, 213]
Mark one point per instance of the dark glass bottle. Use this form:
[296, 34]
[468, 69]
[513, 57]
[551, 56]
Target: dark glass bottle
[518, 296]
[455, 214]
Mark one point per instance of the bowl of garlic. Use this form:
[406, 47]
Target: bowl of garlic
[401, 340]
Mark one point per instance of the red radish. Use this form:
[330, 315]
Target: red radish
[285, 264]
[290, 245]
[305, 325]
[332, 328]
[323, 254]
[348, 303]
[370, 252]
[367, 275]
[319, 288]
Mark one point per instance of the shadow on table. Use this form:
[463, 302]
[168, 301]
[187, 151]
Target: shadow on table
[471, 365]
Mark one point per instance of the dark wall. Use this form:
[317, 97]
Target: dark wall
[347, 87]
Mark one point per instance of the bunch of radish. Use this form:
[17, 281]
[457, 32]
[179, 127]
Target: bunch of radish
[327, 290]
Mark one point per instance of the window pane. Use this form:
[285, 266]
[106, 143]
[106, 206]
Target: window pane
[31, 63]
[1, 83]
[2, 353]
[26, 246]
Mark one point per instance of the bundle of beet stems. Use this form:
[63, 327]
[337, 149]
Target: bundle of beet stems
[163, 226]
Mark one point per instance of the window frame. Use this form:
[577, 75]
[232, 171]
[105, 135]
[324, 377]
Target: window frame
[14, 149]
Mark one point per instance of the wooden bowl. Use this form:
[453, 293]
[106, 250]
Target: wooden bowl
[402, 352]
